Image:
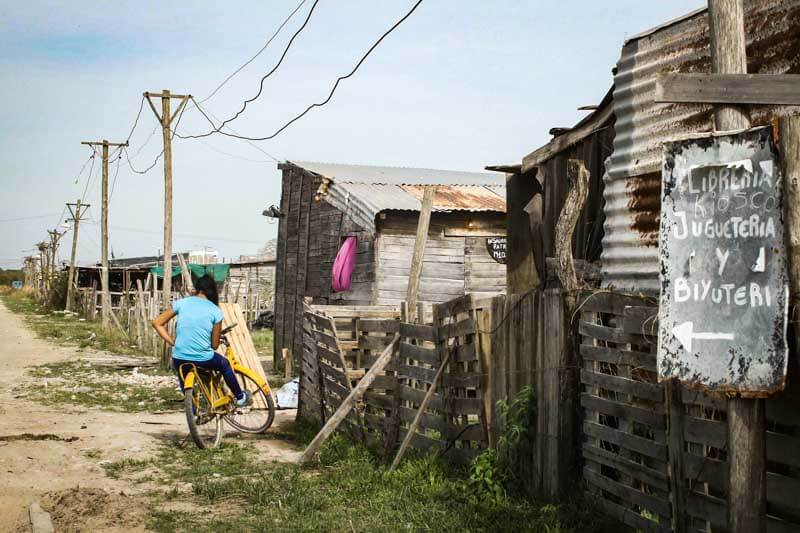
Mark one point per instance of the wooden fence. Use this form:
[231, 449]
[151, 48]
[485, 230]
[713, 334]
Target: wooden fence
[458, 418]
[655, 454]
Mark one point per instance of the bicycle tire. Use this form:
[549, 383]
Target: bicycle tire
[239, 420]
[213, 426]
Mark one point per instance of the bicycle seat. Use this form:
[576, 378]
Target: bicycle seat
[228, 329]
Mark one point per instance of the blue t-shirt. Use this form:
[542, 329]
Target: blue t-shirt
[196, 319]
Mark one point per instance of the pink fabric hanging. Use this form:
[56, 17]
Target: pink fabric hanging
[343, 265]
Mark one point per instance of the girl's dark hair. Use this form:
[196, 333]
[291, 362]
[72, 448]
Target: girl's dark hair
[207, 286]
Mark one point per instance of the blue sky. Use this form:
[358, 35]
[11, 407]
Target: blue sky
[459, 85]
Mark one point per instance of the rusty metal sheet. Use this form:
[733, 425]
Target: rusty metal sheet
[464, 197]
[724, 290]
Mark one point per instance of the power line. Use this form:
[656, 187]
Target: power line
[187, 235]
[155, 162]
[251, 143]
[19, 219]
[116, 173]
[136, 120]
[268, 74]
[312, 106]
[235, 72]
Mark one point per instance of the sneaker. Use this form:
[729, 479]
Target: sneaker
[244, 399]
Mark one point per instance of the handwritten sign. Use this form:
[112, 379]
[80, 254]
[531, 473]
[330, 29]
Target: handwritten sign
[496, 247]
[724, 291]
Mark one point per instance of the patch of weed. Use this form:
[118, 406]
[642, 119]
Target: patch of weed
[349, 488]
[82, 383]
[67, 328]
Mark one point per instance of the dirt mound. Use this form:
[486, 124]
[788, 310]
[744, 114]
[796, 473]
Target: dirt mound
[86, 509]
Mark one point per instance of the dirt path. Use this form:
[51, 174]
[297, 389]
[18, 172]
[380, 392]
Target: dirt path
[45, 449]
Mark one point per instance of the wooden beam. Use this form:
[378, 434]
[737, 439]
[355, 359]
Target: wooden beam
[572, 137]
[767, 89]
[419, 247]
[355, 395]
[412, 429]
[747, 419]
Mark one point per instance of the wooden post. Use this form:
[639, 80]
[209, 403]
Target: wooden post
[790, 155]
[166, 118]
[522, 272]
[76, 210]
[349, 402]
[677, 477]
[747, 419]
[287, 363]
[105, 296]
[565, 228]
[419, 248]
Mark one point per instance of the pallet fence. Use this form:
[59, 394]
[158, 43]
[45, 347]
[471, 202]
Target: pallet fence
[655, 454]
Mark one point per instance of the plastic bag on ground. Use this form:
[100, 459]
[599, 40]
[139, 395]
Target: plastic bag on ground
[288, 394]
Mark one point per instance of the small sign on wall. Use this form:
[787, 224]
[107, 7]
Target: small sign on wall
[724, 290]
[496, 247]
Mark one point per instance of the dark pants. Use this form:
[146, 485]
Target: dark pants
[217, 363]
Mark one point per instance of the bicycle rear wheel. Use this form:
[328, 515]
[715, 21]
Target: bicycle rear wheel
[205, 427]
[256, 417]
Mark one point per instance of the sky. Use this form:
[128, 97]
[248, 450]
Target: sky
[459, 85]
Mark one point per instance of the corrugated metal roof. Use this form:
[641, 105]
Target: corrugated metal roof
[398, 175]
[363, 202]
[633, 183]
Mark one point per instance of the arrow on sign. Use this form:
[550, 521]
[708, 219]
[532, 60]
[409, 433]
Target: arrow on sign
[685, 334]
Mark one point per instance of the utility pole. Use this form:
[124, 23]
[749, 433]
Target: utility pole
[41, 286]
[106, 297]
[166, 118]
[76, 210]
[747, 418]
[52, 250]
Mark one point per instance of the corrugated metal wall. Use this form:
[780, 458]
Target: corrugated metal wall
[633, 182]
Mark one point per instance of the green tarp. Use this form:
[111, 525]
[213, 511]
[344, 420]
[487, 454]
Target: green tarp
[219, 271]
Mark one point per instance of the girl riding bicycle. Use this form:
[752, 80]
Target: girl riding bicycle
[198, 333]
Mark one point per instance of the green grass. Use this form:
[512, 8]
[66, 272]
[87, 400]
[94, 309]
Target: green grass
[80, 382]
[262, 339]
[348, 489]
[66, 329]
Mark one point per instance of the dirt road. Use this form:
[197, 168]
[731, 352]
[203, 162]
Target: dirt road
[57, 452]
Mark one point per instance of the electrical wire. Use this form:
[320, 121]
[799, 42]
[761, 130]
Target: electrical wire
[268, 74]
[312, 106]
[173, 133]
[114, 181]
[235, 72]
[19, 219]
[136, 120]
[206, 112]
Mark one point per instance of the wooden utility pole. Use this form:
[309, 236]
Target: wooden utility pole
[747, 418]
[76, 210]
[105, 297]
[166, 118]
[423, 224]
[41, 286]
[52, 250]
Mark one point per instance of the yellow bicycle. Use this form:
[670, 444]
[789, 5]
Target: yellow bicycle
[207, 400]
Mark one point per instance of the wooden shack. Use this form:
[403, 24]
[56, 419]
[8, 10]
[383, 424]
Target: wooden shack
[322, 204]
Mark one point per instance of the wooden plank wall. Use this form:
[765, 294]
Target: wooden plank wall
[309, 235]
[638, 433]
[455, 262]
[530, 347]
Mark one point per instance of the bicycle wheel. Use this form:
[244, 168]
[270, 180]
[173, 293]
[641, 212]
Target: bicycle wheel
[256, 417]
[205, 427]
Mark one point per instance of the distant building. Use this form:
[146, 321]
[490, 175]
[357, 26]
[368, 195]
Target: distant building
[322, 204]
